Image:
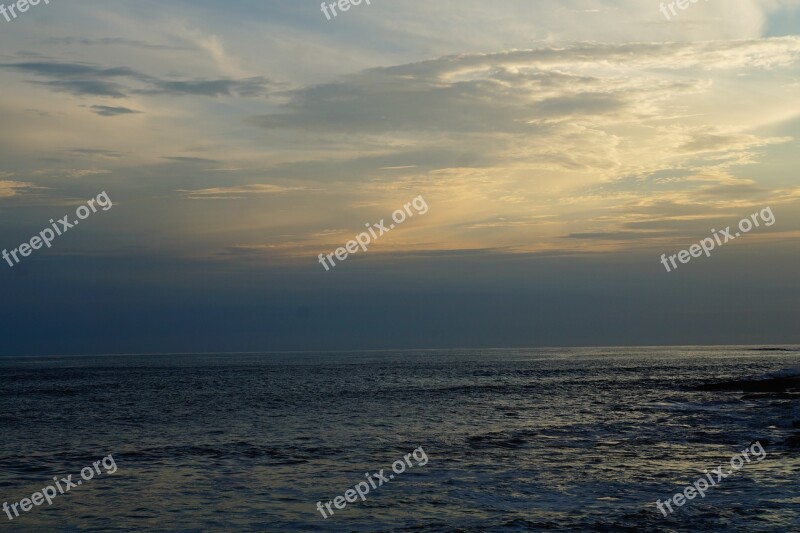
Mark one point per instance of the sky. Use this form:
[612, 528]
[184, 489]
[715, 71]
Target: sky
[560, 147]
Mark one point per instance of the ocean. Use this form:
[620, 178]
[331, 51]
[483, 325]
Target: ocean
[579, 439]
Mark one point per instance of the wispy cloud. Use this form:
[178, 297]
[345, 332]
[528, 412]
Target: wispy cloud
[14, 188]
[94, 152]
[109, 111]
[116, 41]
[84, 79]
[237, 192]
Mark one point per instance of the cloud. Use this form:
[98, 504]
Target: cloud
[248, 87]
[108, 111]
[514, 92]
[610, 142]
[83, 79]
[182, 159]
[237, 192]
[14, 188]
[85, 87]
[516, 149]
[615, 236]
[115, 41]
[83, 172]
[70, 70]
[511, 222]
[95, 152]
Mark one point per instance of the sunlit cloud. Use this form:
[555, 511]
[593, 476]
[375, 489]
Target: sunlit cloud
[13, 188]
[237, 193]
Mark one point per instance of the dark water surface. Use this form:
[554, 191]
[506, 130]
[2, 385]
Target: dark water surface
[517, 440]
